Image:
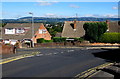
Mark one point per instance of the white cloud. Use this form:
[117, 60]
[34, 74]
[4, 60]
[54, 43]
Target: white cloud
[46, 3]
[114, 8]
[50, 15]
[88, 15]
[74, 6]
[110, 15]
[55, 15]
[102, 16]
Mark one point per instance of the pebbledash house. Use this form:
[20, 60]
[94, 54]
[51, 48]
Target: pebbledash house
[24, 32]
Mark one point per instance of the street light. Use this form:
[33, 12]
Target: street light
[32, 28]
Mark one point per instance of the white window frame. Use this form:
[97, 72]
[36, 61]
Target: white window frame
[20, 30]
[9, 31]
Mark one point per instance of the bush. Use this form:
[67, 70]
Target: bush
[81, 39]
[48, 41]
[42, 40]
[110, 38]
[59, 39]
[93, 31]
[63, 39]
[77, 39]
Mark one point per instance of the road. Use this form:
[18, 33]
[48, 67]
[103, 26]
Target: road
[53, 62]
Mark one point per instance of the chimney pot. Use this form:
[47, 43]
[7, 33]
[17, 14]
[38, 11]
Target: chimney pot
[75, 24]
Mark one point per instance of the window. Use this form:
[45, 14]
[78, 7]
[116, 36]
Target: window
[10, 31]
[42, 31]
[20, 30]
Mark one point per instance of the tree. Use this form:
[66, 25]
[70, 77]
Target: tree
[2, 24]
[52, 32]
[93, 31]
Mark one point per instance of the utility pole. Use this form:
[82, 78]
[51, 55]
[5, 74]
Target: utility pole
[32, 28]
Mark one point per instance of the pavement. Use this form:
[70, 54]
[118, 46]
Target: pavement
[109, 72]
[105, 71]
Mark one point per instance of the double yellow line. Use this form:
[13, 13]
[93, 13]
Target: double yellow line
[3, 61]
[90, 72]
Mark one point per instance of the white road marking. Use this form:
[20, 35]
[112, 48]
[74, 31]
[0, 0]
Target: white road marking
[30, 56]
[62, 52]
[55, 53]
[49, 54]
[70, 50]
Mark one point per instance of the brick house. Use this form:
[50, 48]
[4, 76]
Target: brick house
[23, 31]
[41, 33]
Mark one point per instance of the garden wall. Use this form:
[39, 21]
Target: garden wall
[7, 49]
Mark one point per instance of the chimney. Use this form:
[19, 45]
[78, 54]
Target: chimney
[108, 23]
[75, 24]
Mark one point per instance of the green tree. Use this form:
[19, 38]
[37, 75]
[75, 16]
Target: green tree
[93, 31]
[52, 32]
[2, 24]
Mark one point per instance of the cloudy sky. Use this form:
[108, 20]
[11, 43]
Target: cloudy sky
[13, 10]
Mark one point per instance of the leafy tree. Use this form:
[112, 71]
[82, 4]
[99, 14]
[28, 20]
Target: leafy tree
[56, 27]
[93, 31]
[52, 32]
[2, 24]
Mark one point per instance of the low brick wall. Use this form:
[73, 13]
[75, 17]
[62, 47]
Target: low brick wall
[73, 44]
[56, 44]
[7, 49]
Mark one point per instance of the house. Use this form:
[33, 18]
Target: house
[24, 32]
[74, 29]
[113, 26]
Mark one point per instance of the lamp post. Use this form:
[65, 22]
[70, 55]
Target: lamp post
[32, 28]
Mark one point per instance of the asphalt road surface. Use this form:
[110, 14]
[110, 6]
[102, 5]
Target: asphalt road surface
[53, 62]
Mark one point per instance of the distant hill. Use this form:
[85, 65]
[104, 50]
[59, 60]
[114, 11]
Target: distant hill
[46, 19]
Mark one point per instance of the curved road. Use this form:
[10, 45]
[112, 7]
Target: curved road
[53, 62]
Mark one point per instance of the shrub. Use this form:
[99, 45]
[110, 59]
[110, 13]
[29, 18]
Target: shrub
[77, 39]
[81, 39]
[110, 38]
[48, 41]
[93, 31]
[42, 40]
[63, 39]
[59, 39]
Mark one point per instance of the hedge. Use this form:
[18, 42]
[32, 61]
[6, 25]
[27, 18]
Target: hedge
[63, 39]
[110, 38]
[59, 39]
[42, 40]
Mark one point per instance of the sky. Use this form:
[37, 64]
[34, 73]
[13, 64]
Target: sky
[14, 10]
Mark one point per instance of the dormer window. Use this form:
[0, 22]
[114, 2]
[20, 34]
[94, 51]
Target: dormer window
[20, 30]
[9, 31]
[42, 31]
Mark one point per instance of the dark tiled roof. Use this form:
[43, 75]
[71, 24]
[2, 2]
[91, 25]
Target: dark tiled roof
[68, 30]
[28, 34]
[58, 35]
[114, 27]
